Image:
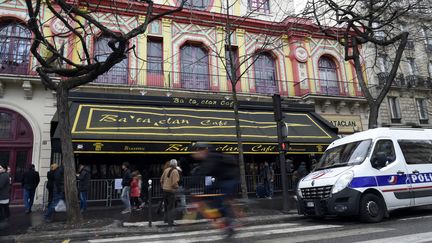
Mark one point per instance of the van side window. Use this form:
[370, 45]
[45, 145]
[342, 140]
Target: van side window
[385, 147]
[416, 151]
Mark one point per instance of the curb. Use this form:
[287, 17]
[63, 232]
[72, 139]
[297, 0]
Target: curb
[138, 228]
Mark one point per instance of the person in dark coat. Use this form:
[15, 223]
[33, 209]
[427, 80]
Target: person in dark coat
[226, 172]
[4, 195]
[126, 181]
[84, 177]
[30, 182]
[58, 193]
[50, 182]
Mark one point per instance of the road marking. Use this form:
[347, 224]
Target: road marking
[213, 235]
[417, 238]
[324, 235]
[415, 218]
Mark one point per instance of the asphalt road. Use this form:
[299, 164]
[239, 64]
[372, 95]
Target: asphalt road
[411, 225]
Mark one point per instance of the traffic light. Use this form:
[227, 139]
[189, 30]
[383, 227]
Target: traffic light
[278, 115]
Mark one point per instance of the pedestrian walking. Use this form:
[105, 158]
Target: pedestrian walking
[30, 182]
[267, 174]
[135, 192]
[126, 182]
[4, 196]
[299, 174]
[84, 177]
[7, 213]
[58, 193]
[226, 172]
[50, 182]
[169, 181]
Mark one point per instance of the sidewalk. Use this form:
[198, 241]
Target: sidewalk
[105, 222]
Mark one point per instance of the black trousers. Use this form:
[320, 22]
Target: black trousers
[4, 211]
[169, 201]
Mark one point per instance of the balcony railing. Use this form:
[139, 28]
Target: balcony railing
[409, 81]
[14, 64]
[410, 45]
[329, 88]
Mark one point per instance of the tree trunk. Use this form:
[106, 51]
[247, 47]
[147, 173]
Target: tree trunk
[373, 115]
[70, 184]
[239, 143]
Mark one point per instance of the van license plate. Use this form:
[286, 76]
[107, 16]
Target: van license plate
[310, 204]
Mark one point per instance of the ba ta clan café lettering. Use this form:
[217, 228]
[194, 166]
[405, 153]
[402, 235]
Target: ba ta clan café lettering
[225, 148]
[204, 102]
[134, 119]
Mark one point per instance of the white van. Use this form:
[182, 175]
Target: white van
[369, 174]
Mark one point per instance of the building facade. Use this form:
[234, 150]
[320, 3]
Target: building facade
[408, 102]
[180, 61]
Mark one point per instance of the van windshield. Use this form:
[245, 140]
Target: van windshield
[347, 154]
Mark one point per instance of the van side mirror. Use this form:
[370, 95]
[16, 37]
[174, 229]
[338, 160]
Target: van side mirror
[379, 160]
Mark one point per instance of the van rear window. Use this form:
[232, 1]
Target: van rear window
[416, 151]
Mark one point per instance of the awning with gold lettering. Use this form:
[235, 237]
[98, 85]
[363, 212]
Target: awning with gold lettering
[104, 128]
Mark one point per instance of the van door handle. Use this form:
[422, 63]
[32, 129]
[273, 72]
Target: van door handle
[400, 173]
[416, 172]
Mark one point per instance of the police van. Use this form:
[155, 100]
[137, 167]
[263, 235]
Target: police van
[369, 174]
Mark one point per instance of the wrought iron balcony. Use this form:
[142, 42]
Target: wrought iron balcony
[329, 88]
[14, 64]
[410, 45]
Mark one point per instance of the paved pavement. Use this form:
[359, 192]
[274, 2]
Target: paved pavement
[411, 226]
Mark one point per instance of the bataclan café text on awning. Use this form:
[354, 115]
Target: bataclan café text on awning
[163, 125]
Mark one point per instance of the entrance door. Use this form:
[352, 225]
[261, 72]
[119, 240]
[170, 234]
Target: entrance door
[16, 146]
[392, 178]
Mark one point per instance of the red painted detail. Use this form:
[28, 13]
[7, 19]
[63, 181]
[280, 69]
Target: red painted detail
[407, 188]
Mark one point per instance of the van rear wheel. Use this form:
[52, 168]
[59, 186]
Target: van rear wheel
[372, 208]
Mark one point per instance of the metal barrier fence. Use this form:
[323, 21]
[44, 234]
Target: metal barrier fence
[103, 190]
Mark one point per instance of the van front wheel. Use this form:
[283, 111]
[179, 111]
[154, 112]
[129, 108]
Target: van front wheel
[372, 208]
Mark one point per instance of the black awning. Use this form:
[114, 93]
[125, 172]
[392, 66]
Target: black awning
[101, 128]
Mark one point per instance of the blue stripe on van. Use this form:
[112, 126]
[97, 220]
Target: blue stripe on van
[366, 181]
[390, 180]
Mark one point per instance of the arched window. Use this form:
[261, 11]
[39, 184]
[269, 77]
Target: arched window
[5, 125]
[118, 74]
[197, 4]
[328, 76]
[194, 68]
[15, 42]
[265, 74]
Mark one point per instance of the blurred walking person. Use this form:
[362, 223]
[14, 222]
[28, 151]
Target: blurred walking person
[126, 182]
[135, 192]
[84, 177]
[226, 172]
[169, 181]
[4, 196]
[58, 193]
[50, 182]
[30, 182]
[267, 174]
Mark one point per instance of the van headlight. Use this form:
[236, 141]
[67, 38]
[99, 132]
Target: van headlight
[343, 181]
[299, 193]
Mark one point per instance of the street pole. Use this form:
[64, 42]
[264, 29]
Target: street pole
[280, 126]
[150, 203]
